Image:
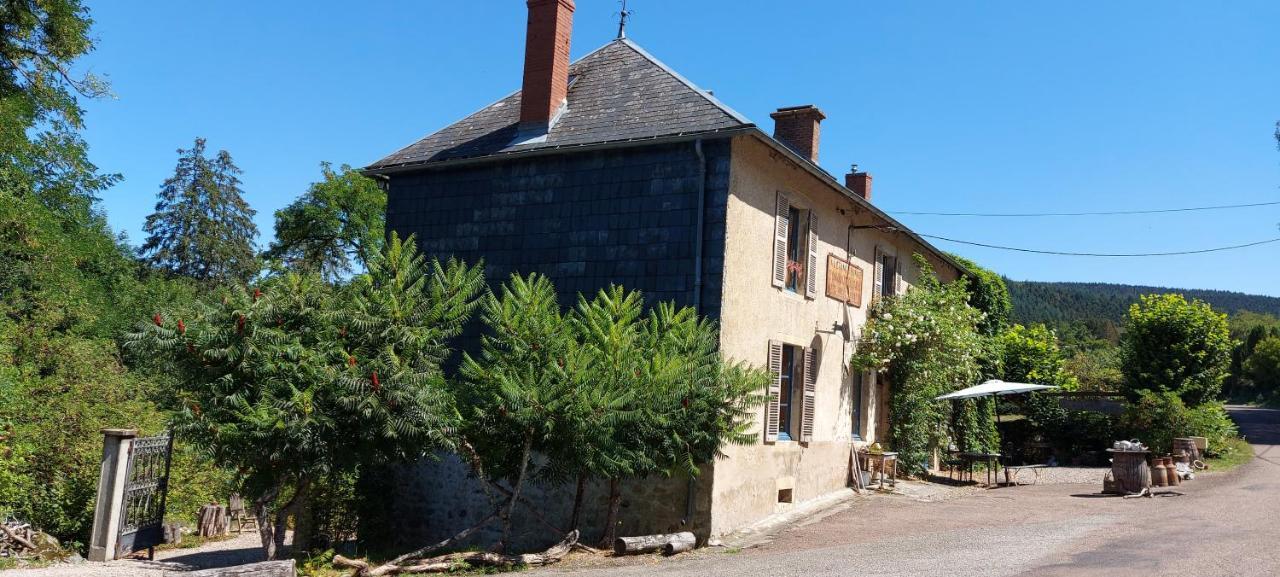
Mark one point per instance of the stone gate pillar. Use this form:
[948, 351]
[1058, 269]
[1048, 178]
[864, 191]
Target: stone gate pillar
[116, 445]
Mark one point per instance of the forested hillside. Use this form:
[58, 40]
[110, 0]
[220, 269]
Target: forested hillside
[1059, 302]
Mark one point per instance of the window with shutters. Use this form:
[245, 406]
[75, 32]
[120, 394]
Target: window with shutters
[795, 248]
[791, 404]
[887, 275]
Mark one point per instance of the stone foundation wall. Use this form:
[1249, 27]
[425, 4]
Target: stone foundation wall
[433, 500]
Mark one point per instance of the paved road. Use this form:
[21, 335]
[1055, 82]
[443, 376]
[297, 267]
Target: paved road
[1226, 524]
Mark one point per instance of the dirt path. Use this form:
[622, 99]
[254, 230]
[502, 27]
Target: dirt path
[244, 548]
[1224, 524]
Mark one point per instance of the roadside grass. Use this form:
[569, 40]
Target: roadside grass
[1234, 453]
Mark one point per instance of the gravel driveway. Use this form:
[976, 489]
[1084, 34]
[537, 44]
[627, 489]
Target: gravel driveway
[244, 548]
[1224, 524]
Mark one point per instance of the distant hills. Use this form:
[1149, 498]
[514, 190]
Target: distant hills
[1065, 302]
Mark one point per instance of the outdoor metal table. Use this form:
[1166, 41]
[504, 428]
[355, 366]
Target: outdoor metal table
[992, 461]
[885, 459]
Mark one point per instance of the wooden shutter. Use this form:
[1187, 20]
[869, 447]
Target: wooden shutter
[771, 421]
[781, 227]
[897, 276]
[811, 268]
[877, 277]
[810, 391]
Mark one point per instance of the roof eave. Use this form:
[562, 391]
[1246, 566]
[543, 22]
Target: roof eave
[374, 171]
[831, 181]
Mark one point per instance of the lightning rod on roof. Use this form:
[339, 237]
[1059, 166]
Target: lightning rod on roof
[622, 19]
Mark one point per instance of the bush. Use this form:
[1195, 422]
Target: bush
[1155, 418]
[1211, 421]
[1177, 346]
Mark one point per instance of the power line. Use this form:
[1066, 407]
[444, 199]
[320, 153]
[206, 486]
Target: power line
[1090, 213]
[1098, 254]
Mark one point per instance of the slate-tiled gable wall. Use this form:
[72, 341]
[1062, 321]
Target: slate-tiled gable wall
[585, 219]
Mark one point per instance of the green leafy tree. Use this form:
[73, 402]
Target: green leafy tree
[41, 152]
[926, 342]
[1031, 355]
[292, 382]
[661, 400]
[988, 293]
[1173, 345]
[335, 226]
[202, 228]
[516, 393]
[1263, 367]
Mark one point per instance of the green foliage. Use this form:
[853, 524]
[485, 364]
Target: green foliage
[292, 381]
[988, 293]
[202, 228]
[334, 227]
[41, 153]
[1096, 370]
[1156, 418]
[1031, 355]
[1177, 346]
[1212, 422]
[1263, 367]
[928, 344]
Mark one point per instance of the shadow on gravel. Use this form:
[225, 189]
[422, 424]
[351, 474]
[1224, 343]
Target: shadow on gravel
[223, 558]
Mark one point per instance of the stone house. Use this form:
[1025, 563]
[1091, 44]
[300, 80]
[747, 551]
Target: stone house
[616, 169]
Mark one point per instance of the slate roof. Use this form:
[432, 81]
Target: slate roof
[617, 93]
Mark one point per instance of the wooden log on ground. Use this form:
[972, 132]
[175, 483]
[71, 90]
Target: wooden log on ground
[213, 521]
[681, 545]
[448, 562]
[649, 543]
[285, 568]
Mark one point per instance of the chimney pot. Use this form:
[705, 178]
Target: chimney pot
[859, 182]
[546, 62]
[797, 127]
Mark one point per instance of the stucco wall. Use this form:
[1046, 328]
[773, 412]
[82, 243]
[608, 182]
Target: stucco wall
[753, 312]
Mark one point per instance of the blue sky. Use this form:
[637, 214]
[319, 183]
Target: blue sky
[953, 106]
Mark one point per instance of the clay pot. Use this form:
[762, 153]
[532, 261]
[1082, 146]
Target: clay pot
[1171, 469]
[1159, 478]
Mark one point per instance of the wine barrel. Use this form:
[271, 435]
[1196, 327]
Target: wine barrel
[1130, 470]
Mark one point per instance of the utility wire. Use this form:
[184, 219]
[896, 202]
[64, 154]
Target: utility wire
[1098, 254]
[1091, 213]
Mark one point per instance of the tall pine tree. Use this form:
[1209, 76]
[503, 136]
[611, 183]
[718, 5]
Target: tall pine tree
[202, 227]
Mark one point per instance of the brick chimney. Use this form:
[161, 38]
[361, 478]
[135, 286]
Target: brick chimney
[797, 127]
[546, 62]
[858, 182]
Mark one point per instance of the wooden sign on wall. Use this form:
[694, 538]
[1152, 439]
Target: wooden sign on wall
[844, 281]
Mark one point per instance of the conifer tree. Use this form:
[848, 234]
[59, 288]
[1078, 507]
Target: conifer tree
[202, 227]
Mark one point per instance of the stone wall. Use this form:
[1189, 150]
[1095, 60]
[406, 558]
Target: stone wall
[435, 499]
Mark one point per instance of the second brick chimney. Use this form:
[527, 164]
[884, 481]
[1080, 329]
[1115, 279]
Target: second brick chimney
[858, 182]
[797, 127]
[546, 62]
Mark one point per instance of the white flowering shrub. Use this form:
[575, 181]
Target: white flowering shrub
[926, 342]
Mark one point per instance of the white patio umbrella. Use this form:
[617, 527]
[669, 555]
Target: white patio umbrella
[993, 387]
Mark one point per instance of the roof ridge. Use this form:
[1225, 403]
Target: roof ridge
[707, 95]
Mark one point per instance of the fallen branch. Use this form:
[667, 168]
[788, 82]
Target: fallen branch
[450, 561]
[16, 538]
[362, 567]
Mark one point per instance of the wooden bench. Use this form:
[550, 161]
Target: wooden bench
[1011, 473]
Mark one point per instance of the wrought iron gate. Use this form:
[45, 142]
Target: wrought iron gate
[145, 489]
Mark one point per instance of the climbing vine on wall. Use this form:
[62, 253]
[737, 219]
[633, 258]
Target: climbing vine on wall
[926, 342]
